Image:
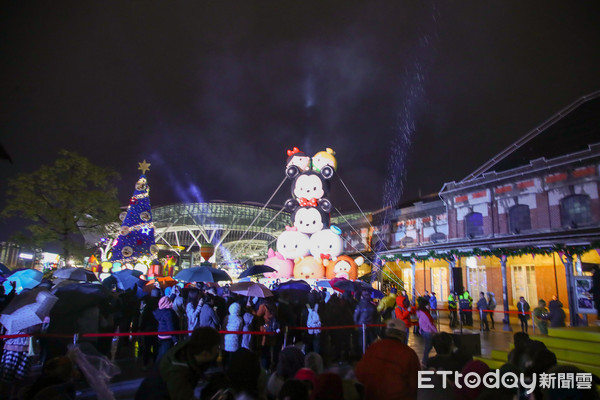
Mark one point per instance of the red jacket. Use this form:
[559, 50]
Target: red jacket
[402, 312]
[389, 370]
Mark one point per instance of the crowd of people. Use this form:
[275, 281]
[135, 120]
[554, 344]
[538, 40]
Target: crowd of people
[277, 347]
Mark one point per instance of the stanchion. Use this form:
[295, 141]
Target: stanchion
[364, 338]
[285, 333]
[75, 338]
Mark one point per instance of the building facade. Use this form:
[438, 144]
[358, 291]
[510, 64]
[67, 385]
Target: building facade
[527, 223]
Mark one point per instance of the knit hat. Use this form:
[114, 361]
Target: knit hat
[165, 302]
[395, 328]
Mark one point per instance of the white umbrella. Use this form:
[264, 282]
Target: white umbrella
[27, 309]
[251, 289]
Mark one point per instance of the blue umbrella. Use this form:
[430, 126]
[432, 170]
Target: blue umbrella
[294, 285]
[4, 270]
[25, 279]
[202, 274]
[256, 270]
[124, 279]
[324, 283]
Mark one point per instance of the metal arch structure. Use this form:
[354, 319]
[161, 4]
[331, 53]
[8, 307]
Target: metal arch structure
[222, 224]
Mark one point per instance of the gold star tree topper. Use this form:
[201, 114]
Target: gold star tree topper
[144, 166]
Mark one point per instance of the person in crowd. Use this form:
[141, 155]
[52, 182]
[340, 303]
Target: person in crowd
[6, 298]
[248, 341]
[311, 318]
[329, 387]
[453, 307]
[518, 355]
[269, 323]
[491, 305]
[195, 301]
[293, 389]
[387, 304]
[466, 305]
[541, 361]
[148, 323]
[232, 322]
[339, 312]
[291, 359]
[389, 368]
[426, 296]
[167, 322]
[308, 377]
[468, 392]
[179, 307]
[448, 357]
[56, 381]
[16, 361]
[182, 367]
[426, 326]
[208, 315]
[556, 313]
[541, 316]
[314, 361]
[245, 375]
[402, 312]
[523, 309]
[482, 307]
[366, 313]
[433, 305]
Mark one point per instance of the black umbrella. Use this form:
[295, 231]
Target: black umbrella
[256, 270]
[78, 296]
[203, 273]
[345, 285]
[299, 285]
[75, 274]
[124, 279]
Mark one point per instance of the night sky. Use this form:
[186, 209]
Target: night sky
[410, 94]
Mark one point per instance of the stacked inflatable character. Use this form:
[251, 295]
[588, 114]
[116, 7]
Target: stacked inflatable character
[309, 248]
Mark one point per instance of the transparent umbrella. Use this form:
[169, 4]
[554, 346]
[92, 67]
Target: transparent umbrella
[27, 309]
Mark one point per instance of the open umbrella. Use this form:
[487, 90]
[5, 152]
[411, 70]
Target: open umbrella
[203, 273]
[164, 283]
[251, 289]
[4, 270]
[299, 285]
[27, 309]
[25, 279]
[124, 279]
[76, 274]
[256, 270]
[78, 296]
[323, 283]
[343, 285]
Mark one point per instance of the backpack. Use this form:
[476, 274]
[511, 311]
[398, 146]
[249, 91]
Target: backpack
[313, 320]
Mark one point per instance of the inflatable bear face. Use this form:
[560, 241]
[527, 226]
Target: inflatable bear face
[344, 267]
[326, 245]
[309, 268]
[284, 267]
[310, 220]
[293, 244]
[309, 186]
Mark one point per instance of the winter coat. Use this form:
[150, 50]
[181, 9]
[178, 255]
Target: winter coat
[193, 316]
[247, 338]
[208, 317]
[557, 314]
[233, 322]
[433, 303]
[426, 322]
[401, 365]
[365, 313]
[388, 301]
[167, 321]
[402, 312]
[523, 307]
[482, 304]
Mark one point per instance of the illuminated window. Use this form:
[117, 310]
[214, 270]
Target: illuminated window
[575, 210]
[519, 219]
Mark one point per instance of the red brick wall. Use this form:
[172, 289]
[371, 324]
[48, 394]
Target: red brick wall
[540, 218]
[555, 217]
[502, 223]
[595, 209]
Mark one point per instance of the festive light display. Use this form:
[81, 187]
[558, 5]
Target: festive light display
[135, 242]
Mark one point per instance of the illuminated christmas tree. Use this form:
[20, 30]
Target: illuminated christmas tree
[135, 242]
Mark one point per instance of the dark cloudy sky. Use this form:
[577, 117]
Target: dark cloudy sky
[213, 93]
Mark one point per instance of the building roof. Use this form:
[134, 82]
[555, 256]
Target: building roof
[570, 130]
